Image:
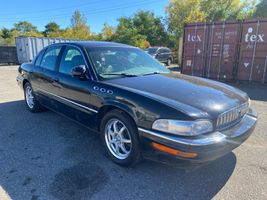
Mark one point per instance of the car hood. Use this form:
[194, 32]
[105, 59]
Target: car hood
[186, 93]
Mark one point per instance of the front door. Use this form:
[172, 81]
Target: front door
[74, 93]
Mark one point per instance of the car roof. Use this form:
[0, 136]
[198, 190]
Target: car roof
[96, 44]
[158, 48]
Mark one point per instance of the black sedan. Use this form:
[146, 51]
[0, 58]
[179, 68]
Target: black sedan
[138, 106]
[162, 54]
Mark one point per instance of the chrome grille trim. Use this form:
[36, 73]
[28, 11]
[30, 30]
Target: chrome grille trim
[231, 116]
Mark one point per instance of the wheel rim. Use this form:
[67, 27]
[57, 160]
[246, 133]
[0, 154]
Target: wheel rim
[169, 61]
[118, 139]
[29, 97]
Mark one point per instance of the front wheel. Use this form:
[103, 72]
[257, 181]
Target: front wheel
[120, 138]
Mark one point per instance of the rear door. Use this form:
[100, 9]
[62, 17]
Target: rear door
[160, 55]
[168, 54]
[44, 75]
[74, 93]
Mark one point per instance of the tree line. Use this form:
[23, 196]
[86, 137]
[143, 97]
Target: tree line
[144, 28]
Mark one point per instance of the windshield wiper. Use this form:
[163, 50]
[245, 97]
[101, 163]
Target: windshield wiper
[152, 73]
[120, 74]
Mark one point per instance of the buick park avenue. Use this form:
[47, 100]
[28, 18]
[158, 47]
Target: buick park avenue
[138, 107]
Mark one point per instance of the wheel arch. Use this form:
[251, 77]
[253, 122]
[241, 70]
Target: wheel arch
[115, 106]
[24, 82]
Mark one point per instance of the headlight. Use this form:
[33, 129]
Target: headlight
[184, 128]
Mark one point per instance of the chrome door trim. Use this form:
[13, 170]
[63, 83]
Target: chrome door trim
[67, 100]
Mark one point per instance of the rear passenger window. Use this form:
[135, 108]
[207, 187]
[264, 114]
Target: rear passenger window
[71, 57]
[167, 50]
[50, 58]
[161, 51]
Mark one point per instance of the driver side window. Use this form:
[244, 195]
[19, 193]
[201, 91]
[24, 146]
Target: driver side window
[71, 58]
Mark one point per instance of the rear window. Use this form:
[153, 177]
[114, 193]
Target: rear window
[151, 50]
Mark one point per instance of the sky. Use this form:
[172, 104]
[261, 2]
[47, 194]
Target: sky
[97, 12]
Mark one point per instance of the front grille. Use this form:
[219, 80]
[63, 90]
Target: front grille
[231, 117]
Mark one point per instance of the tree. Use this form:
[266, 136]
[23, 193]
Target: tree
[24, 27]
[220, 9]
[248, 8]
[127, 33]
[181, 12]
[96, 36]
[51, 28]
[6, 36]
[78, 19]
[6, 33]
[261, 9]
[150, 26]
[107, 32]
[79, 28]
[142, 29]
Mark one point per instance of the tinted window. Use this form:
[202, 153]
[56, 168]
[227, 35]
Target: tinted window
[151, 50]
[161, 51]
[167, 50]
[50, 58]
[71, 57]
[39, 58]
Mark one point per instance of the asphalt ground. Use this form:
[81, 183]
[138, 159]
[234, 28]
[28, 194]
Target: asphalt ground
[46, 156]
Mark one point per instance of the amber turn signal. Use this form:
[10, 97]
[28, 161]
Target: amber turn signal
[174, 151]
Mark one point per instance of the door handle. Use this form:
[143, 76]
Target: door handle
[56, 83]
[56, 80]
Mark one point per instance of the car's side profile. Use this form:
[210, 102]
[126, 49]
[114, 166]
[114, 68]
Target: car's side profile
[162, 54]
[137, 105]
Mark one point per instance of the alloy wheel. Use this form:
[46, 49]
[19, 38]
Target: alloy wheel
[29, 97]
[118, 139]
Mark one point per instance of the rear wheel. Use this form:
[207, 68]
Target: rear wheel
[31, 102]
[169, 62]
[120, 138]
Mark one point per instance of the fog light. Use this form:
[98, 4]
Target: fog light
[174, 151]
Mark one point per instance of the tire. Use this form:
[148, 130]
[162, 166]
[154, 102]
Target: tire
[169, 62]
[30, 99]
[127, 140]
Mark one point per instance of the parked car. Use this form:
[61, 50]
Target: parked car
[162, 54]
[138, 106]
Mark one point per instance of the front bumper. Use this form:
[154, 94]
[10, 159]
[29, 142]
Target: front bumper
[208, 147]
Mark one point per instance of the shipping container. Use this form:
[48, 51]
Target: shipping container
[226, 50]
[222, 50]
[28, 47]
[8, 55]
[194, 51]
[253, 51]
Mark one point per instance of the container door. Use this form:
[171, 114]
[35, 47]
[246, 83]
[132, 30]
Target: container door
[194, 50]
[253, 52]
[22, 49]
[223, 50]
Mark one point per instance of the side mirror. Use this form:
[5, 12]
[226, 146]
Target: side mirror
[79, 71]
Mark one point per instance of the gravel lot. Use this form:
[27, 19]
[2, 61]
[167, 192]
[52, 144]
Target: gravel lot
[46, 156]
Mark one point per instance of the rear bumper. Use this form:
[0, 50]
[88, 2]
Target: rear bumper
[208, 147]
[19, 80]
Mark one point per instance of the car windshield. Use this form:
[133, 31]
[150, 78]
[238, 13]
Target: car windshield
[110, 62]
[151, 50]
